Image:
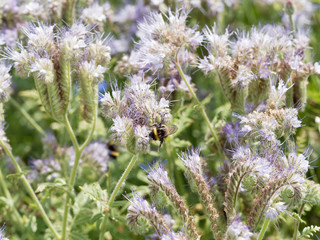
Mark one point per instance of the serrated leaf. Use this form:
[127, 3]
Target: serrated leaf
[298, 218]
[16, 175]
[308, 232]
[95, 193]
[55, 186]
[312, 195]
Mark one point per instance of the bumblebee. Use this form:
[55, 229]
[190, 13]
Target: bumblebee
[113, 153]
[160, 132]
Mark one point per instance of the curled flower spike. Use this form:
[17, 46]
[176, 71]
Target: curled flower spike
[52, 54]
[160, 181]
[141, 214]
[195, 176]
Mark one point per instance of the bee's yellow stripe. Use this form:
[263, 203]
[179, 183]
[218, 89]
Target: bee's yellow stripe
[155, 132]
[115, 154]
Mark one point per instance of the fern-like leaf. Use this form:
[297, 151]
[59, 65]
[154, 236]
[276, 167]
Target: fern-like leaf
[308, 232]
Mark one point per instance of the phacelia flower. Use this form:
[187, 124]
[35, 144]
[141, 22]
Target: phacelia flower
[160, 41]
[160, 182]
[97, 14]
[277, 95]
[48, 168]
[274, 209]
[52, 54]
[134, 112]
[238, 231]
[271, 124]
[5, 81]
[2, 236]
[141, 214]
[245, 63]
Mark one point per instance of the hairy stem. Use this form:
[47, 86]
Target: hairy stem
[78, 150]
[30, 190]
[237, 190]
[28, 117]
[115, 193]
[202, 109]
[296, 227]
[68, 12]
[264, 228]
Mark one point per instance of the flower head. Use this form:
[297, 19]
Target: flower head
[5, 81]
[245, 63]
[192, 160]
[134, 112]
[274, 209]
[2, 236]
[161, 40]
[140, 214]
[52, 54]
[238, 231]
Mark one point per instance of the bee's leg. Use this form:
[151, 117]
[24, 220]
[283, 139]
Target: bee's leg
[162, 140]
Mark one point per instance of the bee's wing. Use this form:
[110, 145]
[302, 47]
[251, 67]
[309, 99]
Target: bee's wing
[172, 129]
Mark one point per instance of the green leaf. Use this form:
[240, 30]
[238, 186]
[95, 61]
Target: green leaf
[312, 195]
[297, 217]
[119, 203]
[96, 217]
[6, 202]
[16, 175]
[308, 232]
[83, 217]
[49, 187]
[95, 193]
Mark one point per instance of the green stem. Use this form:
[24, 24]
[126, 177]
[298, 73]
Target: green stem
[237, 191]
[296, 228]
[289, 94]
[68, 12]
[92, 129]
[73, 174]
[170, 163]
[264, 228]
[71, 183]
[78, 150]
[293, 28]
[115, 193]
[30, 190]
[28, 117]
[71, 132]
[9, 197]
[203, 111]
